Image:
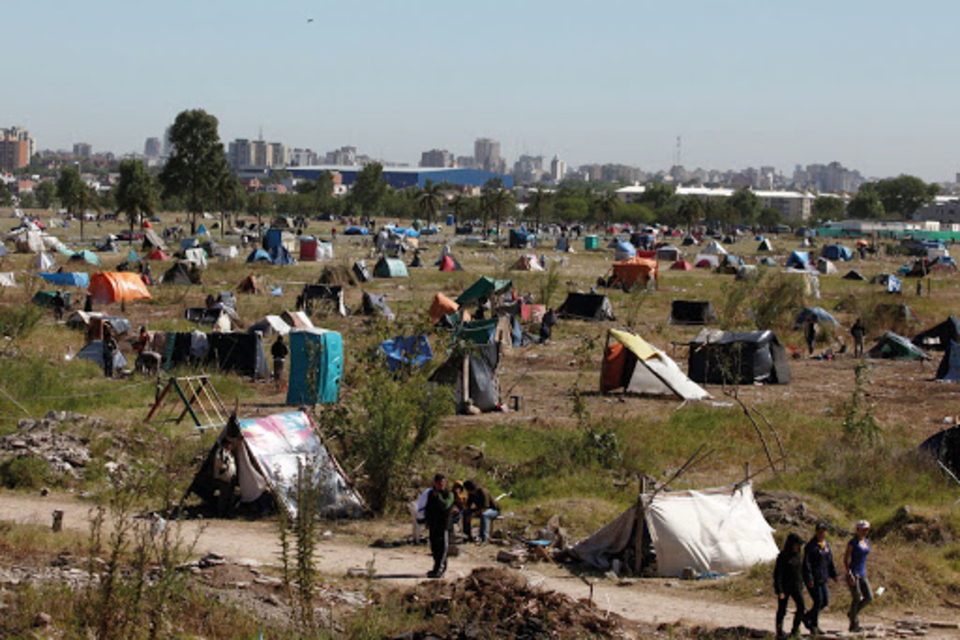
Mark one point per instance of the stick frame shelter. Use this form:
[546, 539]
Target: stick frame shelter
[203, 399]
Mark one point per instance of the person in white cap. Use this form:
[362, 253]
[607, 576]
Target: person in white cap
[855, 564]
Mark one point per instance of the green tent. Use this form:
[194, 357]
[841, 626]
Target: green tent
[43, 298]
[87, 256]
[483, 288]
[894, 347]
[390, 268]
[767, 261]
[479, 331]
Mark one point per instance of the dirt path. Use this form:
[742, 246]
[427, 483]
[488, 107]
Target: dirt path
[648, 602]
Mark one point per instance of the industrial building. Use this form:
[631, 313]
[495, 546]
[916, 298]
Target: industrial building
[403, 177]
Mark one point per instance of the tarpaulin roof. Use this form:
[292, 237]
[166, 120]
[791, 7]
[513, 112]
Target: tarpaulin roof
[799, 259]
[390, 268]
[837, 252]
[629, 271]
[442, 306]
[940, 336]
[87, 256]
[409, 350]
[67, 279]
[894, 347]
[157, 254]
[817, 313]
[632, 364]
[316, 366]
[121, 286]
[259, 255]
[681, 265]
[483, 288]
[587, 306]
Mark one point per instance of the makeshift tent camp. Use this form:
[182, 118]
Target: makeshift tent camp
[259, 255]
[151, 240]
[390, 268]
[692, 312]
[67, 279]
[765, 245]
[316, 366]
[681, 265]
[280, 256]
[949, 369]
[723, 357]
[853, 274]
[241, 353]
[329, 296]
[706, 261]
[586, 306]
[118, 287]
[767, 261]
[474, 373]
[45, 261]
[631, 364]
[450, 263]
[712, 531]
[818, 314]
[361, 272]
[799, 260]
[714, 248]
[157, 254]
[196, 256]
[521, 239]
[826, 267]
[181, 273]
[690, 241]
[84, 256]
[624, 251]
[94, 353]
[413, 351]
[526, 262]
[374, 305]
[669, 253]
[271, 455]
[270, 326]
[356, 231]
[894, 347]
[43, 298]
[938, 338]
[627, 272]
[442, 306]
[487, 331]
[83, 320]
[250, 284]
[945, 447]
[837, 252]
[484, 288]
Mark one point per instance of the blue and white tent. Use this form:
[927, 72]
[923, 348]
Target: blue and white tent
[80, 279]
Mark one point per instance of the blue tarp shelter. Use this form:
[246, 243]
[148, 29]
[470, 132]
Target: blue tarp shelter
[837, 252]
[316, 366]
[201, 230]
[624, 251]
[280, 256]
[818, 313]
[259, 255]
[799, 260]
[356, 231]
[407, 350]
[67, 279]
[520, 239]
[189, 243]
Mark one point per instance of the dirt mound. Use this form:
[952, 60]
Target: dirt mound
[496, 603]
[910, 525]
[337, 275]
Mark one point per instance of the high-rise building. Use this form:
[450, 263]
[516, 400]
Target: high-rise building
[82, 150]
[303, 158]
[16, 148]
[436, 158]
[558, 169]
[152, 148]
[344, 156]
[528, 168]
[167, 145]
[486, 153]
[247, 154]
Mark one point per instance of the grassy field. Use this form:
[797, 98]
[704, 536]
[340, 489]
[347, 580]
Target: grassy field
[541, 455]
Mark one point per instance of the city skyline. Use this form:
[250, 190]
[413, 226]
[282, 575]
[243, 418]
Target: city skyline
[750, 84]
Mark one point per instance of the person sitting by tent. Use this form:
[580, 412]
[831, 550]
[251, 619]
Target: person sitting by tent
[547, 324]
[788, 584]
[810, 332]
[437, 515]
[110, 348]
[225, 477]
[480, 503]
[279, 351]
[858, 331]
[58, 304]
[460, 497]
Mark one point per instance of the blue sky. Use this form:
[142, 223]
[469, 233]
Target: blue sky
[745, 82]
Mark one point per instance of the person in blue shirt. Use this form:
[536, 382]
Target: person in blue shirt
[855, 564]
[818, 568]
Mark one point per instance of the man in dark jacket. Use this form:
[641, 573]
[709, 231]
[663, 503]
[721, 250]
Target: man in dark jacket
[818, 568]
[279, 351]
[437, 515]
[480, 503]
[788, 584]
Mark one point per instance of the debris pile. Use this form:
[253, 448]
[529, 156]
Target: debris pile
[785, 508]
[498, 603]
[64, 453]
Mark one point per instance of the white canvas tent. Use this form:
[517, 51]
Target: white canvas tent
[527, 262]
[826, 267]
[271, 326]
[632, 364]
[714, 248]
[324, 251]
[717, 530]
[195, 256]
[45, 262]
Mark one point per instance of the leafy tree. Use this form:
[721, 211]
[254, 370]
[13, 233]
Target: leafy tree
[635, 213]
[28, 201]
[770, 217]
[658, 194]
[87, 199]
[69, 186]
[826, 208]
[866, 205]
[747, 205]
[430, 201]
[137, 193]
[539, 200]
[197, 165]
[46, 192]
[690, 211]
[903, 195]
[369, 190]
[496, 202]
[606, 204]
[6, 199]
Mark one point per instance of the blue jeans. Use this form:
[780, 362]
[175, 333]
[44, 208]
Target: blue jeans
[820, 595]
[485, 517]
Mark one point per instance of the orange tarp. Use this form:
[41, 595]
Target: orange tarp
[442, 306]
[616, 360]
[118, 287]
[629, 271]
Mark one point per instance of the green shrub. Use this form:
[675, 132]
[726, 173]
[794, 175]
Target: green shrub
[23, 473]
[19, 321]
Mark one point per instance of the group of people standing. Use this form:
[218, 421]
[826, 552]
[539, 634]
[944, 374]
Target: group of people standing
[442, 506]
[812, 565]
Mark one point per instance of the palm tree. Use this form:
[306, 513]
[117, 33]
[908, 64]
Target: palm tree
[538, 201]
[87, 199]
[430, 201]
[458, 206]
[607, 204]
[498, 201]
